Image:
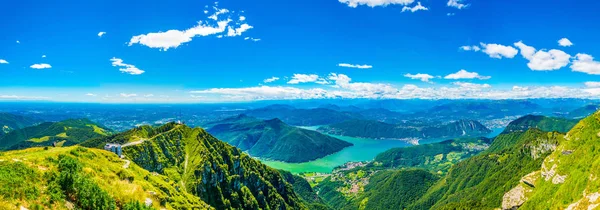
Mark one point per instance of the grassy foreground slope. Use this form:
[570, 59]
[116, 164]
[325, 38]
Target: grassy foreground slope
[219, 174]
[83, 178]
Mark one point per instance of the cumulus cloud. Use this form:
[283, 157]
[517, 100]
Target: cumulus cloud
[415, 8]
[101, 33]
[585, 63]
[272, 79]
[264, 93]
[419, 76]
[91, 94]
[365, 66]
[126, 68]
[41, 66]
[498, 51]
[456, 4]
[225, 26]
[2, 61]
[375, 3]
[564, 42]
[238, 31]
[464, 74]
[305, 78]
[542, 60]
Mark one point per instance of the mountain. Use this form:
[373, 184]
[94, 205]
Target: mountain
[302, 117]
[583, 111]
[540, 122]
[479, 109]
[199, 164]
[82, 178]
[275, 140]
[376, 129]
[10, 122]
[435, 157]
[64, 133]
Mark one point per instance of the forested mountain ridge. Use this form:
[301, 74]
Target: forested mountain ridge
[10, 122]
[376, 129]
[63, 133]
[275, 140]
[220, 175]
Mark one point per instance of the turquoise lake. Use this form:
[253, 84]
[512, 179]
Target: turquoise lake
[363, 150]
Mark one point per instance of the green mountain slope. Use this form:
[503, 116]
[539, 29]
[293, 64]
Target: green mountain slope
[376, 129]
[10, 122]
[436, 157]
[68, 132]
[82, 178]
[540, 122]
[568, 178]
[219, 174]
[275, 140]
[481, 181]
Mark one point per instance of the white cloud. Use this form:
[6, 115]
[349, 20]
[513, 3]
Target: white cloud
[472, 86]
[91, 94]
[585, 63]
[126, 95]
[355, 66]
[592, 84]
[149, 95]
[41, 66]
[242, 18]
[27, 98]
[415, 8]
[252, 39]
[174, 38]
[127, 68]
[272, 79]
[344, 88]
[375, 3]
[303, 78]
[2, 61]
[419, 76]
[238, 31]
[263, 93]
[450, 14]
[18, 42]
[101, 33]
[499, 51]
[43, 56]
[564, 42]
[542, 60]
[456, 4]
[464, 74]
[470, 48]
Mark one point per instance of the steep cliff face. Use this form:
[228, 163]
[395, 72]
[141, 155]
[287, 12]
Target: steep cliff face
[221, 175]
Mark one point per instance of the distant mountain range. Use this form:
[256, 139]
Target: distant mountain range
[376, 129]
[302, 117]
[275, 140]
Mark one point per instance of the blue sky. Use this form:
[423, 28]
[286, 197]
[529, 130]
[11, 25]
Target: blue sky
[152, 51]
